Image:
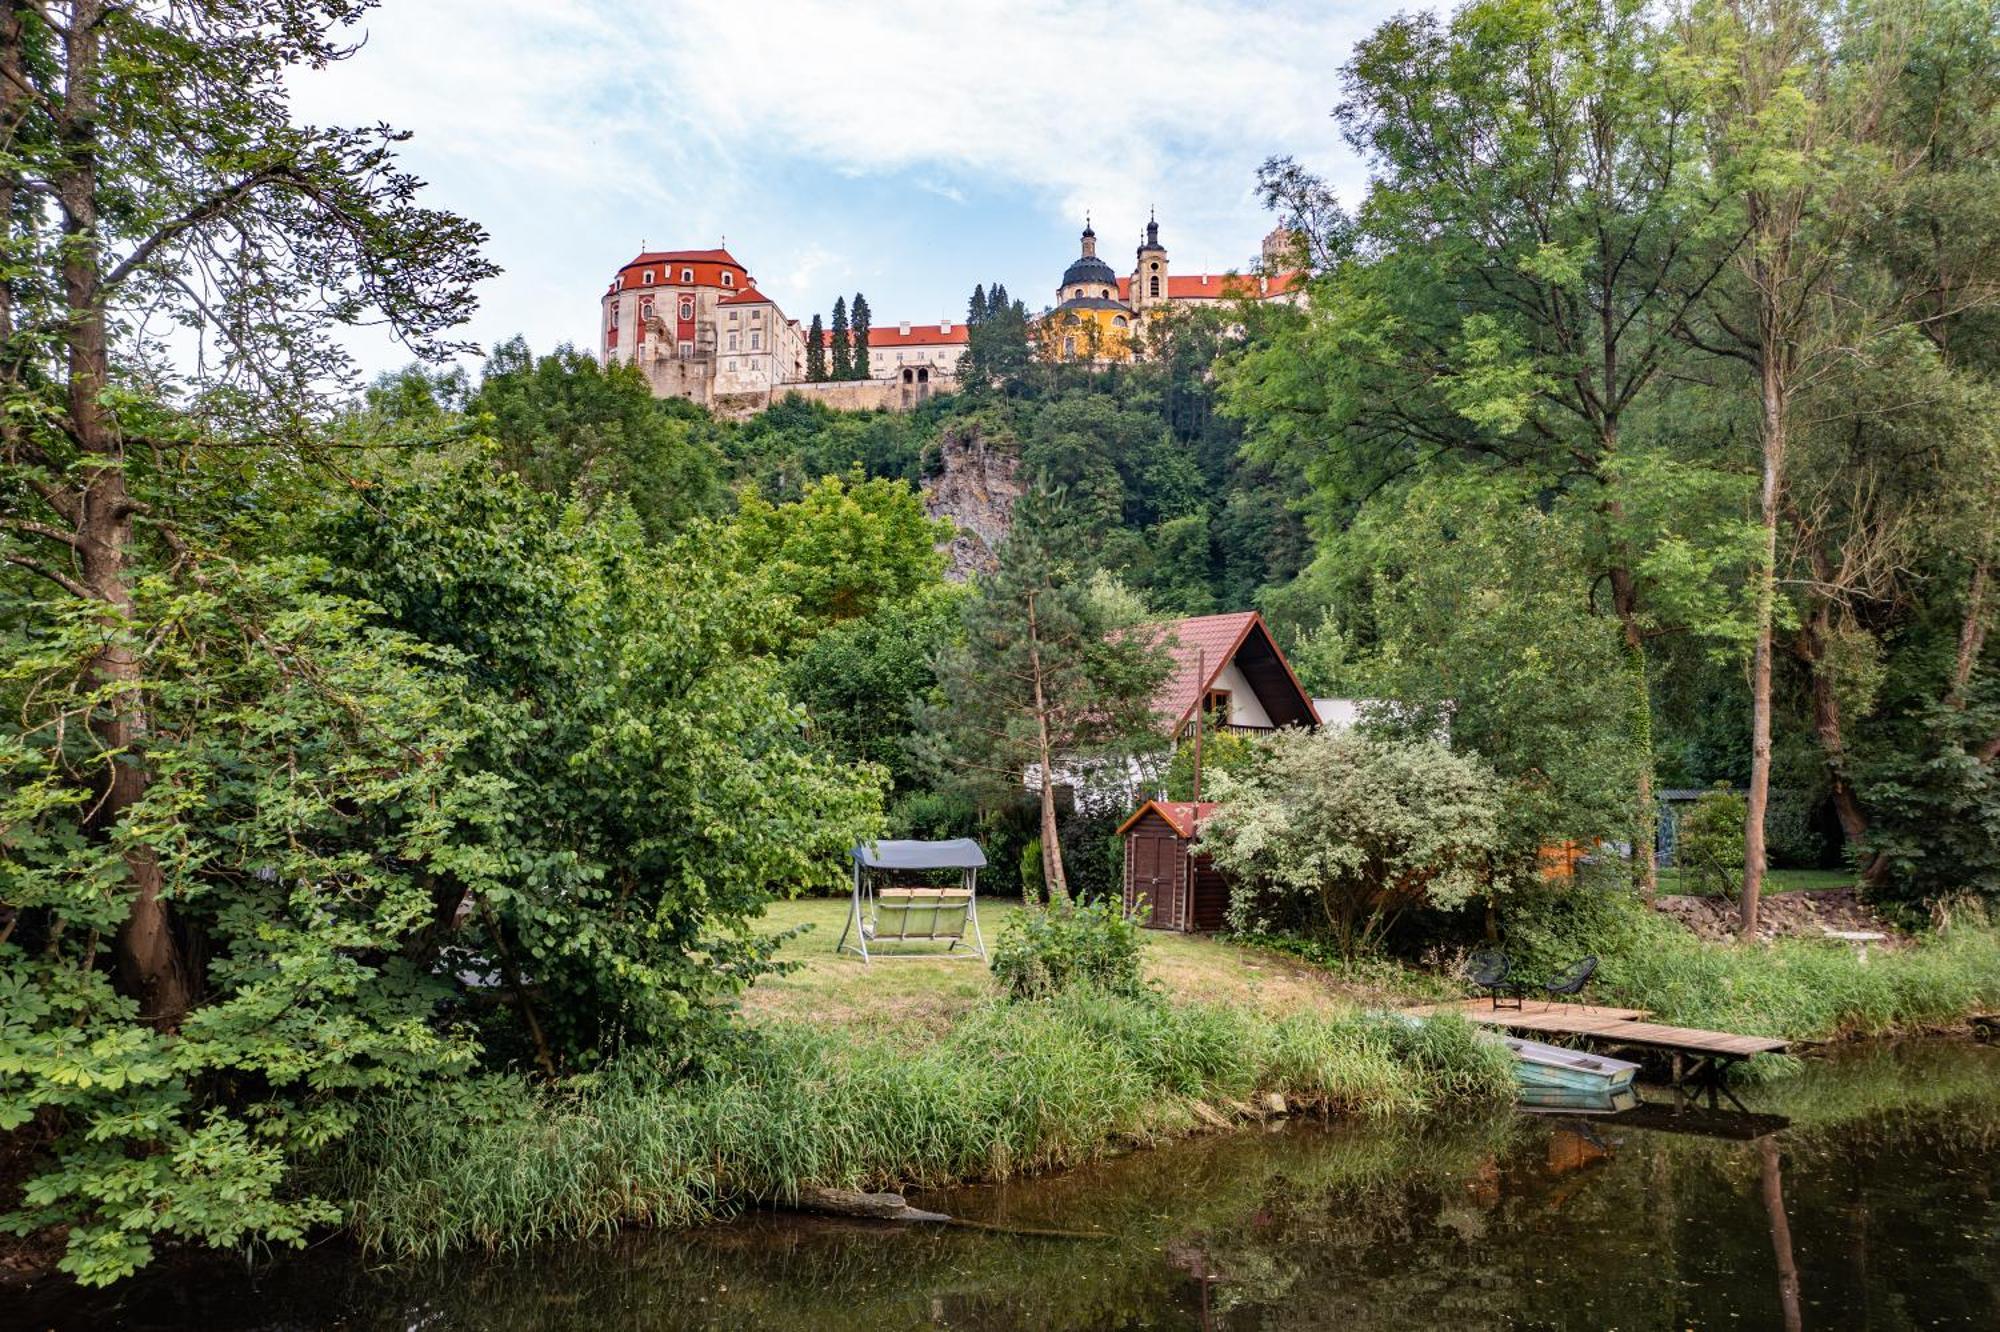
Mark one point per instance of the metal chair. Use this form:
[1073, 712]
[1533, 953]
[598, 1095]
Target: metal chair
[1488, 970]
[1570, 982]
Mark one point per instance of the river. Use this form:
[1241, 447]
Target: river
[1874, 1206]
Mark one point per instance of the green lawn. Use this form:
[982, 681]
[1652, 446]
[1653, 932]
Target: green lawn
[1777, 880]
[926, 989]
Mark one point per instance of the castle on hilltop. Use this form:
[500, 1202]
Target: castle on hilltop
[1100, 315]
[696, 326]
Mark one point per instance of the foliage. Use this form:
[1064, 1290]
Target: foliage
[1708, 847]
[1014, 1087]
[1800, 989]
[861, 680]
[1048, 950]
[842, 549]
[1045, 679]
[1936, 799]
[571, 427]
[650, 785]
[1340, 832]
[1221, 751]
[306, 800]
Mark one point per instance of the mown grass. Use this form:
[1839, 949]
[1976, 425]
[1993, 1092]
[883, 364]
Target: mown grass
[1010, 1088]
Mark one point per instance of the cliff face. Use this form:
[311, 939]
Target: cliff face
[976, 489]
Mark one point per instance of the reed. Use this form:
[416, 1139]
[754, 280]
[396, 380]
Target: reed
[1016, 1087]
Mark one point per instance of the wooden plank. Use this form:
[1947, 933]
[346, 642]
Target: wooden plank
[1630, 1031]
[1473, 1008]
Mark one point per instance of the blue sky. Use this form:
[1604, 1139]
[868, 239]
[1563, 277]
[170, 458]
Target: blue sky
[907, 151]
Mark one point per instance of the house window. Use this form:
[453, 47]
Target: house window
[756, 341]
[1215, 704]
[1153, 284]
[687, 309]
[687, 275]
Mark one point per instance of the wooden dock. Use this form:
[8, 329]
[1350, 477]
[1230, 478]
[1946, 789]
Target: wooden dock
[1698, 1056]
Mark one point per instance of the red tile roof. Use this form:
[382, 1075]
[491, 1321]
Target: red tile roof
[1200, 646]
[749, 296]
[920, 335]
[708, 266]
[1184, 816]
[1222, 286]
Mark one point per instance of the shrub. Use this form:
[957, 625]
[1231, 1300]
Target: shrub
[1709, 849]
[1340, 833]
[1049, 951]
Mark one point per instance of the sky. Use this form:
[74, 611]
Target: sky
[904, 151]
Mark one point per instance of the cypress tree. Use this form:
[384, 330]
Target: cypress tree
[860, 361]
[816, 352]
[975, 310]
[843, 361]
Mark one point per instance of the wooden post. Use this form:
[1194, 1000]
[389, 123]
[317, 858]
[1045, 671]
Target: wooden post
[1200, 713]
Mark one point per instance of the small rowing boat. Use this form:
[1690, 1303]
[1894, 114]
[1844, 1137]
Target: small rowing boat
[1554, 1078]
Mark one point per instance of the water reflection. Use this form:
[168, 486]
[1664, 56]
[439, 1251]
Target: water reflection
[1874, 1208]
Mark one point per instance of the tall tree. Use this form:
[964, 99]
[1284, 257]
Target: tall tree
[1531, 241]
[841, 365]
[816, 352]
[1799, 158]
[975, 309]
[175, 182]
[1048, 680]
[859, 316]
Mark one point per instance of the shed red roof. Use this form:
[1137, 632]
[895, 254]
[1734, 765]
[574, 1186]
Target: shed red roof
[1184, 816]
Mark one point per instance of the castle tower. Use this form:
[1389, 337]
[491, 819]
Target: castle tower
[1089, 278]
[1149, 270]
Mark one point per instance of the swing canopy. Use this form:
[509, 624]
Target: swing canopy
[890, 909]
[958, 853]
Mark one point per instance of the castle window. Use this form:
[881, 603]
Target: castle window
[1156, 265]
[1105, 293]
[732, 316]
[646, 308]
[687, 309]
[687, 350]
[1118, 321]
[646, 277]
[614, 314]
[1069, 346]
[732, 365]
[732, 342]
[756, 341]
[728, 279]
[1153, 285]
[687, 275]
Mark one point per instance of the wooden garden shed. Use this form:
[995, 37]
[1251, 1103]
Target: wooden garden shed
[1165, 870]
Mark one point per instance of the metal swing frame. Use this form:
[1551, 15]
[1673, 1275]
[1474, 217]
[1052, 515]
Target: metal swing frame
[944, 904]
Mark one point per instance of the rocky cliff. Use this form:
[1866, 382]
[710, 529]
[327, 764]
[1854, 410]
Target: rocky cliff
[976, 486]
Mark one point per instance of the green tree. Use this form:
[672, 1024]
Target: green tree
[1341, 833]
[816, 352]
[571, 427]
[841, 365]
[847, 546]
[859, 367]
[975, 308]
[1047, 682]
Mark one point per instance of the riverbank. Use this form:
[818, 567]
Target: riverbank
[1007, 1089]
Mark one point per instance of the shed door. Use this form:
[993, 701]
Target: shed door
[1152, 876]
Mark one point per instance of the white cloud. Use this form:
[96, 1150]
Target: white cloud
[574, 128]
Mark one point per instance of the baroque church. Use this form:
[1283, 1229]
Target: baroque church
[1099, 314]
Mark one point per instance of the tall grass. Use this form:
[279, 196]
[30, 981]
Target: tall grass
[1013, 1087]
[1799, 989]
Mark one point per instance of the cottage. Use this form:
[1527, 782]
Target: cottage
[1165, 874]
[1230, 668]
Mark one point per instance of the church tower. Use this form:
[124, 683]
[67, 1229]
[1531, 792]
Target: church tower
[1149, 270]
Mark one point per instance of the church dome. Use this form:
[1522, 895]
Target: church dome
[1089, 268]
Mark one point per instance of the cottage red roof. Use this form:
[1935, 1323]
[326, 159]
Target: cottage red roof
[920, 335]
[1202, 645]
[1184, 816]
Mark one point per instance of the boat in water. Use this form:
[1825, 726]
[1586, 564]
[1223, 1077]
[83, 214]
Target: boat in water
[1571, 1081]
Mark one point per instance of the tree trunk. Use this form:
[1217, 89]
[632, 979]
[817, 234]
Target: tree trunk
[1052, 865]
[1774, 423]
[1625, 600]
[1831, 729]
[151, 962]
[1971, 636]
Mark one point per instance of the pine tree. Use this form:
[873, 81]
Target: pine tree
[1044, 681]
[975, 310]
[843, 360]
[860, 361]
[816, 352]
[996, 300]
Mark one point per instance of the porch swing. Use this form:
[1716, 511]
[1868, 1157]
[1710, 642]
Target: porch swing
[892, 905]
